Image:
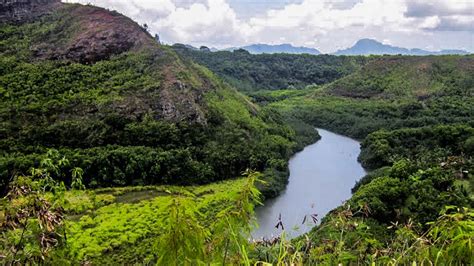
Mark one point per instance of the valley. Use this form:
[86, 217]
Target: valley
[117, 149]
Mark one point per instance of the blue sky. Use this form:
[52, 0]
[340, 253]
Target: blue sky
[327, 25]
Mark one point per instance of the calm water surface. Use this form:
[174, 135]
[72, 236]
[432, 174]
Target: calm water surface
[321, 178]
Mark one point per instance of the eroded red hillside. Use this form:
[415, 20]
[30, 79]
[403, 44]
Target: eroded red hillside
[91, 34]
[18, 11]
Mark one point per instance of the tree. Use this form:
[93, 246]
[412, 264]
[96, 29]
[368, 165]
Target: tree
[32, 217]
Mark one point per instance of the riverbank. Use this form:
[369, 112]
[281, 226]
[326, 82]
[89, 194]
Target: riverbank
[321, 178]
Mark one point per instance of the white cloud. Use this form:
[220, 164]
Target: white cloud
[139, 10]
[201, 23]
[443, 15]
[430, 22]
[327, 25]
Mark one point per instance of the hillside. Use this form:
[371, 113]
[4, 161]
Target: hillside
[253, 72]
[94, 85]
[81, 34]
[413, 77]
[373, 47]
[388, 92]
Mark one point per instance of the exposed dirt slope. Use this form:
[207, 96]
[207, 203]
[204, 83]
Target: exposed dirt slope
[17, 11]
[90, 34]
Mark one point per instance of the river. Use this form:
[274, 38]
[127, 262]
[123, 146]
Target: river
[321, 178]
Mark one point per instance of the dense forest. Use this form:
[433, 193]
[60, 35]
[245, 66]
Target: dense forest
[391, 92]
[142, 117]
[416, 207]
[249, 72]
[415, 118]
[115, 149]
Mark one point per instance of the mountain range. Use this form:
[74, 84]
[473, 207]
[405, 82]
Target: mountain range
[373, 47]
[361, 47]
[274, 49]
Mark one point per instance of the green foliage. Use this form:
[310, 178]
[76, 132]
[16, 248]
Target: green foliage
[453, 233]
[31, 216]
[359, 117]
[383, 195]
[250, 73]
[139, 118]
[408, 77]
[346, 239]
[76, 174]
[383, 171]
[151, 117]
[468, 146]
[208, 224]
[390, 92]
[418, 196]
[183, 238]
[381, 148]
[426, 179]
[415, 118]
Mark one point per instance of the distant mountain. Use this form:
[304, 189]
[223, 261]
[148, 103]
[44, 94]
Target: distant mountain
[274, 49]
[370, 46]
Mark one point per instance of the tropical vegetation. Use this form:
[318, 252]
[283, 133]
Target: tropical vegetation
[142, 155]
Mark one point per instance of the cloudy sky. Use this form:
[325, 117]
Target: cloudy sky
[327, 25]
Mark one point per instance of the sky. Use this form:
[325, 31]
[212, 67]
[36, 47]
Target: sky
[327, 25]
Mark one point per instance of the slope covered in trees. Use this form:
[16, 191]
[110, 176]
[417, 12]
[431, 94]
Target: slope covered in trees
[389, 92]
[398, 77]
[417, 208]
[249, 72]
[415, 117]
[96, 86]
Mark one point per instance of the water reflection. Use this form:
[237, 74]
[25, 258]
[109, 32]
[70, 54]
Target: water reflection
[321, 178]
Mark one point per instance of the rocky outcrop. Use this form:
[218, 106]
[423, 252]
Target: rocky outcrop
[99, 34]
[14, 11]
[87, 34]
[178, 104]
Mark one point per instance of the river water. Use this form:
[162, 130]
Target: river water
[321, 178]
